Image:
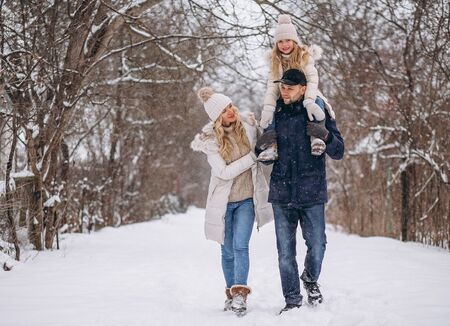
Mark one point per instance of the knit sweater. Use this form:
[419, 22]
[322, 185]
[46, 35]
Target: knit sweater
[242, 187]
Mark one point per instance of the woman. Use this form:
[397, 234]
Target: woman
[237, 191]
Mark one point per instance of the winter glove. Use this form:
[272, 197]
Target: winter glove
[267, 139]
[266, 118]
[314, 111]
[317, 130]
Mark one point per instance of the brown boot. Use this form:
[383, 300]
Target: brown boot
[239, 294]
[228, 301]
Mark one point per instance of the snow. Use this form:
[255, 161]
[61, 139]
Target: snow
[22, 174]
[12, 186]
[368, 144]
[52, 201]
[6, 261]
[92, 29]
[146, 122]
[164, 272]
[115, 81]
[140, 31]
[198, 66]
[426, 156]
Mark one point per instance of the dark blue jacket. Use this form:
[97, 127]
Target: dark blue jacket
[298, 178]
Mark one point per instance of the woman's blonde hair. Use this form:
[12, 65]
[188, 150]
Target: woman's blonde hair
[225, 144]
[297, 59]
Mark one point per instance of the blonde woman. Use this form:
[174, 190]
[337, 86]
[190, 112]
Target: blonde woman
[237, 192]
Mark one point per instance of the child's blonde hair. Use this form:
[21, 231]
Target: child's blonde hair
[297, 59]
[225, 144]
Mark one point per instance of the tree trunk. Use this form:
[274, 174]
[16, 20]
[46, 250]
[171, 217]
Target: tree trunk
[52, 220]
[9, 196]
[388, 207]
[405, 185]
[36, 220]
[112, 168]
[36, 216]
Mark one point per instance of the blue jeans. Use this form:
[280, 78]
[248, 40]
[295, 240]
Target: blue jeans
[239, 220]
[312, 222]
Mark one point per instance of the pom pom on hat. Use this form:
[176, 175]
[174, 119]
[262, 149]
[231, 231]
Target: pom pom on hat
[214, 103]
[205, 93]
[284, 19]
[285, 30]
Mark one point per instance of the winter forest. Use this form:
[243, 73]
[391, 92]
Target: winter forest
[98, 106]
[99, 185]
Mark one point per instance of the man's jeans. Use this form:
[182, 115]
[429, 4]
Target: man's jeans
[239, 220]
[312, 222]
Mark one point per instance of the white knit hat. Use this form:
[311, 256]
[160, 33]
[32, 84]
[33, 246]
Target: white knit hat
[214, 103]
[285, 30]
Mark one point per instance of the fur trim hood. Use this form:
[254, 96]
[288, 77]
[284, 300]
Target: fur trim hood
[205, 141]
[315, 51]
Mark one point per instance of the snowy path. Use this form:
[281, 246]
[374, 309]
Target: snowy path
[165, 273]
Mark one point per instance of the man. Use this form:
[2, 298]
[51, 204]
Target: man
[298, 188]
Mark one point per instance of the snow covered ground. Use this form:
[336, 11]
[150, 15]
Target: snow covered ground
[165, 273]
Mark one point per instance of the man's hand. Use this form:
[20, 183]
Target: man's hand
[267, 139]
[317, 130]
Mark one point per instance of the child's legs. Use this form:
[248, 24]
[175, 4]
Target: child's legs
[318, 145]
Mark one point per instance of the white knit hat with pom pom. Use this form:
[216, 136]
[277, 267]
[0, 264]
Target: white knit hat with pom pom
[285, 30]
[214, 103]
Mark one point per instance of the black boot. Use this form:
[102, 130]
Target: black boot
[314, 295]
[288, 307]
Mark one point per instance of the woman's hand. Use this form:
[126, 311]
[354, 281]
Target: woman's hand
[251, 119]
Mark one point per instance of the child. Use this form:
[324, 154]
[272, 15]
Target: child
[289, 53]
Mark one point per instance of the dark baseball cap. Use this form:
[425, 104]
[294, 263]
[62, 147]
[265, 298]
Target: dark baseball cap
[292, 77]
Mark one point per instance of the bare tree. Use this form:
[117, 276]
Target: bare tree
[98, 103]
[61, 60]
